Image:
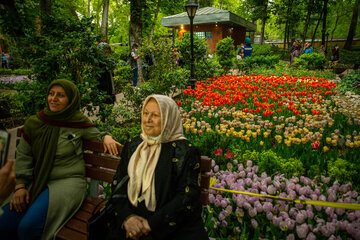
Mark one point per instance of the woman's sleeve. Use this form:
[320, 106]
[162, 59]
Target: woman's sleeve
[93, 133]
[24, 163]
[186, 201]
[122, 205]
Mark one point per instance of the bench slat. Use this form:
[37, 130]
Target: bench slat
[205, 164]
[96, 146]
[101, 161]
[100, 174]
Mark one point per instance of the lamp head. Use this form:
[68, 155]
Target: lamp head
[191, 8]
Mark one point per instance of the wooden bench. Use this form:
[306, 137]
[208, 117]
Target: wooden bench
[100, 167]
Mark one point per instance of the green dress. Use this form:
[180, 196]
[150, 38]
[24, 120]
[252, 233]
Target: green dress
[66, 183]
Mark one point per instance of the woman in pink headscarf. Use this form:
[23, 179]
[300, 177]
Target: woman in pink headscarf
[161, 198]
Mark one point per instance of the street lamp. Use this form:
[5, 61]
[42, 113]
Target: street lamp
[191, 8]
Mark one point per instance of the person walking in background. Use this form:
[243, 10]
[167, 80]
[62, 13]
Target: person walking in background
[247, 50]
[292, 50]
[307, 49]
[240, 54]
[106, 81]
[4, 61]
[133, 62]
[322, 50]
[335, 53]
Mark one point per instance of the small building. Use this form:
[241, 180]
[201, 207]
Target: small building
[212, 24]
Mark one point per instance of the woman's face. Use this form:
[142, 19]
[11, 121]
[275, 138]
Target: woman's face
[57, 98]
[151, 118]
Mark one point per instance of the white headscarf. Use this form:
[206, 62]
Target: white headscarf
[143, 162]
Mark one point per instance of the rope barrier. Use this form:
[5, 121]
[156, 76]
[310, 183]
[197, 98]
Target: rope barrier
[352, 206]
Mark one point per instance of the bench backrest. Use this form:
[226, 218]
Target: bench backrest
[102, 167]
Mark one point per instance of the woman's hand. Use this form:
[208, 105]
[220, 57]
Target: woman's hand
[7, 180]
[136, 227]
[111, 145]
[20, 198]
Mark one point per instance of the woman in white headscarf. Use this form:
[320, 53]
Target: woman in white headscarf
[161, 198]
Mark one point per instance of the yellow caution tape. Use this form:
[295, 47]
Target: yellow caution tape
[352, 206]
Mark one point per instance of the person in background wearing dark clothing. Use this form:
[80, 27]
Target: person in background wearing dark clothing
[106, 82]
[247, 50]
[335, 53]
[4, 61]
[133, 62]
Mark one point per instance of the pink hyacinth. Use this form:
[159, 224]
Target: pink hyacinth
[291, 236]
[302, 230]
[311, 236]
[254, 223]
[248, 163]
[271, 190]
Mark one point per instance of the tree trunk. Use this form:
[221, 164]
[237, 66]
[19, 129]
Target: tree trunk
[335, 26]
[154, 22]
[105, 19]
[263, 21]
[352, 29]
[45, 6]
[135, 30]
[307, 21]
[88, 10]
[323, 32]
[317, 25]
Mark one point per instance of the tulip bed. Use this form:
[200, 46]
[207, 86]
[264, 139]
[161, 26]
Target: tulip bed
[301, 122]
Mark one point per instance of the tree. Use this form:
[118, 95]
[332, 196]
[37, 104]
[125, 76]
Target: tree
[323, 32]
[353, 24]
[105, 19]
[259, 9]
[135, 30]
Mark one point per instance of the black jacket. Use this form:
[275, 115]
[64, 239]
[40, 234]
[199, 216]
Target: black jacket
[177, 189]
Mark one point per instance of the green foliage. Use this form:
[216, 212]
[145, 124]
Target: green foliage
[200, 49]
[122, 76]
[204, 67]
[351, 82]
[282, 68]
[343, 170]
[256, 61]
[349, 57]
[164, 73]
[4, 71]
[32, 97]
[271, 163]
[262, 50]
[311, 61]
[121, 53]
[225, 53]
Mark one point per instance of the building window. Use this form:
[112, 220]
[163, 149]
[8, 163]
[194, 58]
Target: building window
[201, 35]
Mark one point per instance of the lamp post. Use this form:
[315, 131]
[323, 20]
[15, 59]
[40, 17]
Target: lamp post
[191, 8]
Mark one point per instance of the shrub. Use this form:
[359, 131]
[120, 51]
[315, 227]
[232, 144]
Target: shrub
[349, 57]
[311, 61]
[204, 67]
[351, 82]
[225, 53]
[121, 53]
[252, 62]
[262, 50]
[343, 170]
[4, 71]
[122, 76]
